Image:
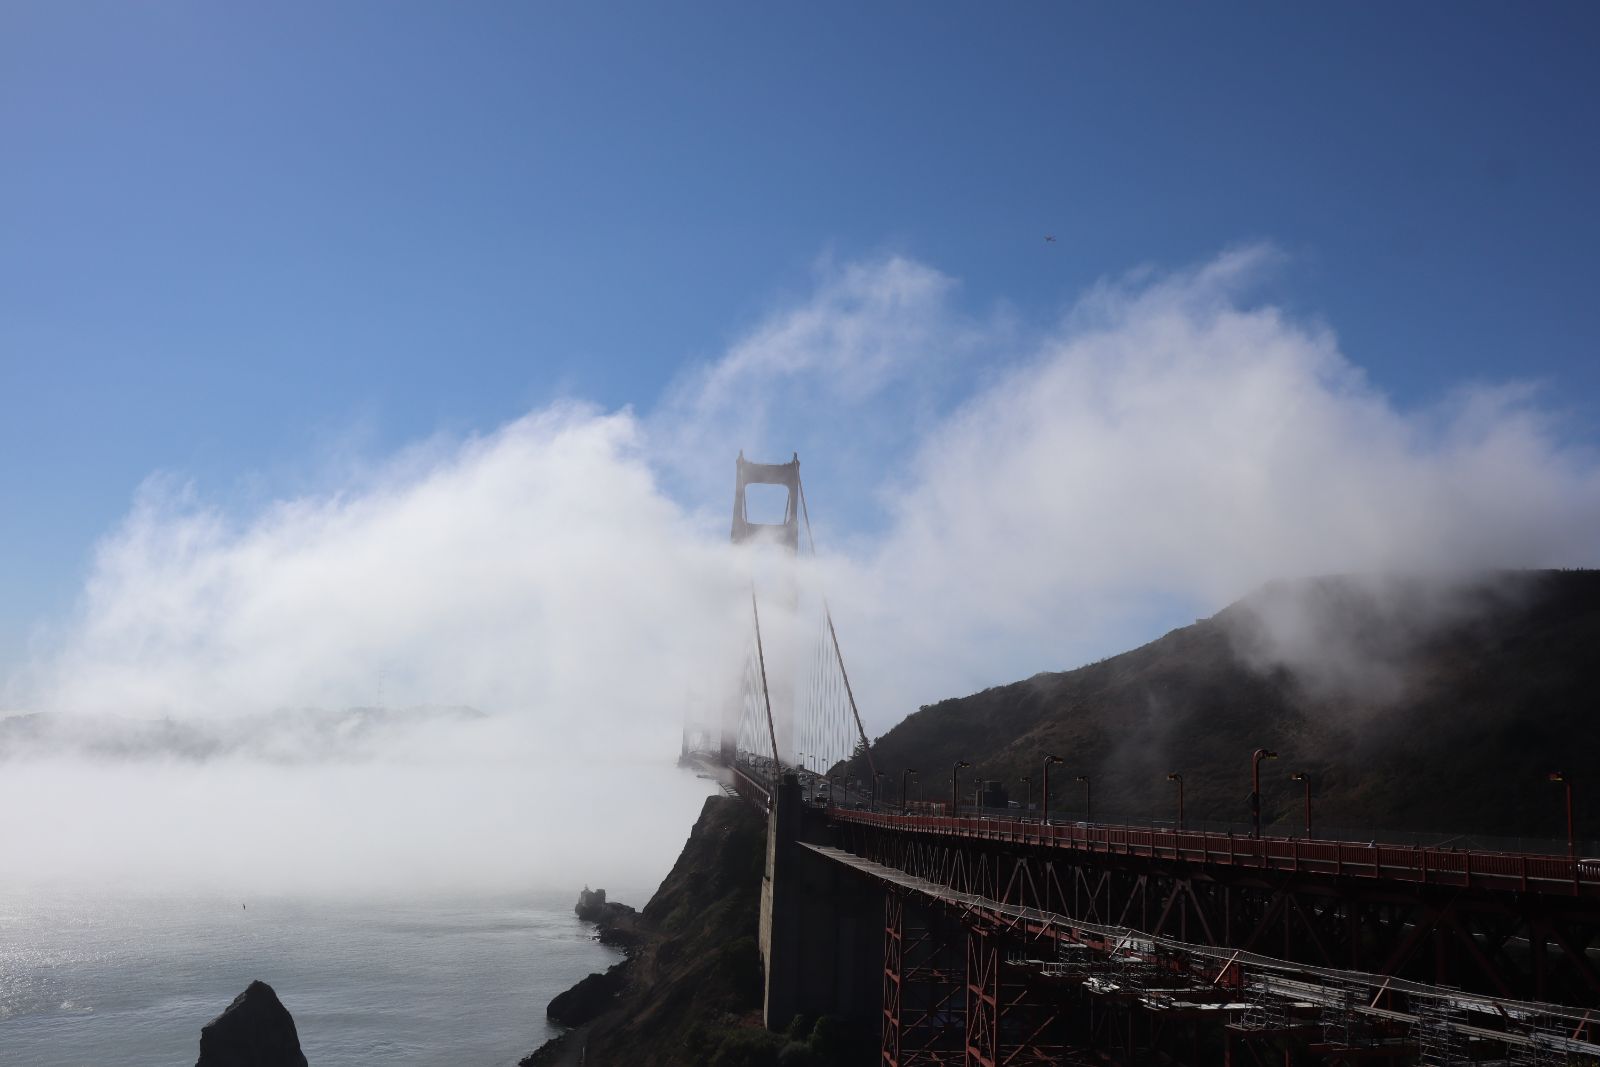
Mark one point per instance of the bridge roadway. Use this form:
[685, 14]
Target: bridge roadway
[1463, 869]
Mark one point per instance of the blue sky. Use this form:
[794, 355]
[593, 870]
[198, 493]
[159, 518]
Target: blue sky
[253, 249]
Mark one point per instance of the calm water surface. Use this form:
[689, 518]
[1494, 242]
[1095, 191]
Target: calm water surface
[90, 979]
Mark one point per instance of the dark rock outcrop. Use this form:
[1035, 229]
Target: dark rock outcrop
[256, 1030]
[618, 924]
[587, 999]
[591, 902]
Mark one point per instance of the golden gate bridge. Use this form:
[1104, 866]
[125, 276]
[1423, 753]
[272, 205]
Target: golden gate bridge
[986, 936]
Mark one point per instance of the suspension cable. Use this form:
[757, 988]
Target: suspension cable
[761, 659]
[827, 612]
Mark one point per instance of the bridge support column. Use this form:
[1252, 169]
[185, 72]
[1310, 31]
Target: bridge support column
[821, 924]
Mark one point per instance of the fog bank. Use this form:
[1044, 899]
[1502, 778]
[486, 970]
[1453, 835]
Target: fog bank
[991, 499]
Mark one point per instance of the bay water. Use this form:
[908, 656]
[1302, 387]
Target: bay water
[107, 977]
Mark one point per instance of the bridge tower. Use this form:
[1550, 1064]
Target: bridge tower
[777, 627]
[786, 533]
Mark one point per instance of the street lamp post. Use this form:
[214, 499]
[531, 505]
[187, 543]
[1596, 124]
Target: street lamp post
[1176, 777]
[1255, 786]
[1302, 776]
[1557, 776]
[955, 789]
[876, 776]
[905, 806]
[1027, 793]
[1088, 798]
[1044, 811]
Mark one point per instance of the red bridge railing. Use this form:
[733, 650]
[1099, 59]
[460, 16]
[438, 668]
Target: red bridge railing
[1461, 868]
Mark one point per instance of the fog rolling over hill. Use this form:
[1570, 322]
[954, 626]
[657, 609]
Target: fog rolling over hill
[1428, 703]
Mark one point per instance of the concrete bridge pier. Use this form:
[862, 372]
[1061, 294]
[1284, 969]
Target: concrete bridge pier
[822, 927]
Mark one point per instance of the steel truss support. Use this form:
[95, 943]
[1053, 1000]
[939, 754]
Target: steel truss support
[1520, 945]
[983, 998]
[924, 1014]
[894, 933]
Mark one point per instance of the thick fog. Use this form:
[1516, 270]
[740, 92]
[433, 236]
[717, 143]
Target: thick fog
[990, 499]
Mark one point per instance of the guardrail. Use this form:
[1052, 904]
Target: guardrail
[751, 788]
[1460, 868]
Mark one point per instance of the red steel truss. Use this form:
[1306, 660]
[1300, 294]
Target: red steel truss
[1457, 868]
[1042, 988]
[983, 998]
[1508, 925]
[924, 1010]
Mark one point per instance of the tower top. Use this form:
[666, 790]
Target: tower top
[786, 533]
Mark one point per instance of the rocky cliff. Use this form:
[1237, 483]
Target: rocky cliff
[690, 991]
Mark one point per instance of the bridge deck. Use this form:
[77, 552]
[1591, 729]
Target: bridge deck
[1520, 872]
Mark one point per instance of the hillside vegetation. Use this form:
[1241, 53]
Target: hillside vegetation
[1416, 704]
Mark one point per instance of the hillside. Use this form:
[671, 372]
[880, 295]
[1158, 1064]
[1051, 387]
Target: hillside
[689, 993]
[1428, 704]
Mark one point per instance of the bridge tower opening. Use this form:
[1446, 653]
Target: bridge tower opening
[787, 475]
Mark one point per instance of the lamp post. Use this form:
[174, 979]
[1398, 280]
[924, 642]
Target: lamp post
[875, 777]
[1088, 798]
[921, 800]
[1027, 793]
[1557, 776]
[1302, 776]
[905, 806]
[1255, 787]
[1044, 811]
[1176, 777]
[955, 790]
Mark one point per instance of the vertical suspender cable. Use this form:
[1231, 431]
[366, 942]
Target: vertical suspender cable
[761, 658]
[866, 749]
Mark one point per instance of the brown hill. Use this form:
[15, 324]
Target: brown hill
[1417, 704]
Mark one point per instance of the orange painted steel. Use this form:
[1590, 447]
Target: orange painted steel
[1466, 869]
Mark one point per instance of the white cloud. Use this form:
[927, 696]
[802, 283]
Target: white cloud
[1172, 446]
[515, 571]
[536, 573]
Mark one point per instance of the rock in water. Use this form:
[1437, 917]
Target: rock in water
[591, 902]
[256, 1030]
